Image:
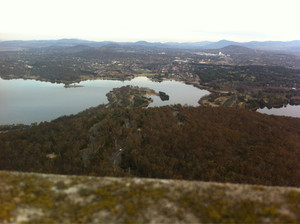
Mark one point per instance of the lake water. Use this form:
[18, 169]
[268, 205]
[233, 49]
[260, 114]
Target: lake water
[28, 101]
[289, 110]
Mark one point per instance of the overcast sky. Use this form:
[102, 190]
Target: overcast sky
[150, 20]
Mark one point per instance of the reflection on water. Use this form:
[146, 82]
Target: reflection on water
[28, 101]
[289, 110]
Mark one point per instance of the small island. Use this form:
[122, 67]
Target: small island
[130, 96]
[72, 86]
[163, 96]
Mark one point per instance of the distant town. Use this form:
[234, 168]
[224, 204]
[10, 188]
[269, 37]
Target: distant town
[237, 76]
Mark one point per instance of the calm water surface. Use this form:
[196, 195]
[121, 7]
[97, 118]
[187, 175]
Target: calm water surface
[289, 110]
[28, 101]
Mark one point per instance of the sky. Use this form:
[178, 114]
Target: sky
[150, 20]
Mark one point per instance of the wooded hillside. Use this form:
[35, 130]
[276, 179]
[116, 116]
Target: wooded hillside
[202, 143]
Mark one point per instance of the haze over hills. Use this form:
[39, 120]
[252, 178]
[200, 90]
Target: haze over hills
[292, 46]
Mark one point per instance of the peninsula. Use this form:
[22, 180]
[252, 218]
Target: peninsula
[130, 96]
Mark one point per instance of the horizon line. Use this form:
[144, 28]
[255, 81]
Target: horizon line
[163, 42]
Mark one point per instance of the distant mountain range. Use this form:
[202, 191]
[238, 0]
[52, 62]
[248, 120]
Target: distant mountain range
[291, 46]
[264, 45]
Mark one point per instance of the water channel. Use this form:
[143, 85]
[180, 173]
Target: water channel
[288, 110]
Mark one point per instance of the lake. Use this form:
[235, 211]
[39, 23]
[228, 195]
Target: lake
[288, 110]
[28, 101]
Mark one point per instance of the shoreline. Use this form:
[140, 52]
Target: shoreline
[153, 77]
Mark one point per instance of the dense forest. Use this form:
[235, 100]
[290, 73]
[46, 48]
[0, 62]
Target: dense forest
[193, 143]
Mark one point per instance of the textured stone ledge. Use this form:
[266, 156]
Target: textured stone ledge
[30, 197]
